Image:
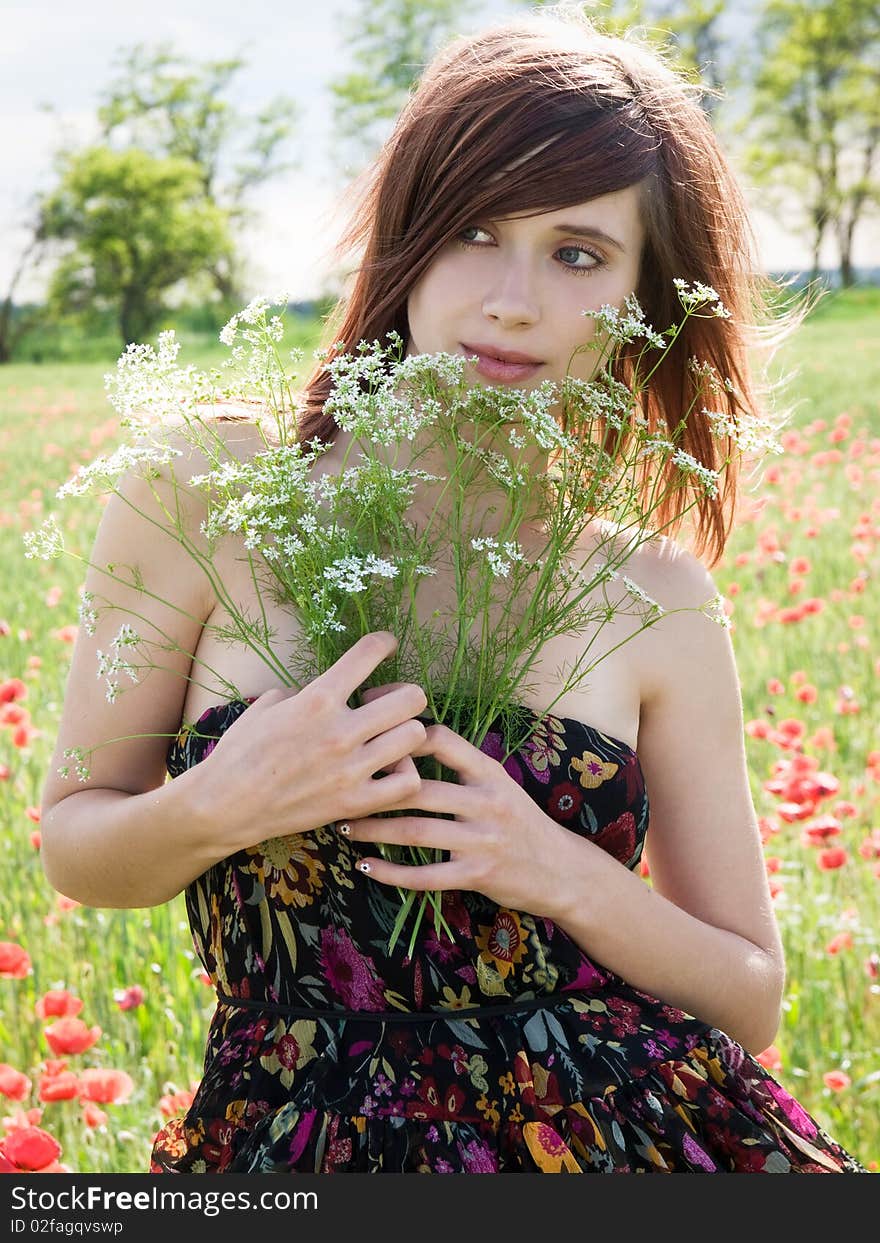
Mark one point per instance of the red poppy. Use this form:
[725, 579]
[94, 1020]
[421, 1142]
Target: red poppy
[71, 1035]
[13, 1083]
[92, 1116]
[22, 1117]
[31, 1148]
[57, 1003]
[820, 830]
[833, 857]
[176, 1102]
[11, 689]
[106, 1086]
[15, 962]
[129, 998]
[770, 1058]
[60, 1086]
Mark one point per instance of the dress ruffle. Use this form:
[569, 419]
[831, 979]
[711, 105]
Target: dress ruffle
[711, 1109]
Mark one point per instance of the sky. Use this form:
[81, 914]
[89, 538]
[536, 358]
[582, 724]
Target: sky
[61, 54]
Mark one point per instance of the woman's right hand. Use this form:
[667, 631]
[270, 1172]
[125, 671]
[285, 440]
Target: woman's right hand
[295, 760]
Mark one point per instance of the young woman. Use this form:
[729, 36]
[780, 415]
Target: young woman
[580, 1021]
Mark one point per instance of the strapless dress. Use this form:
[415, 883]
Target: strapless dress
[504, 1050]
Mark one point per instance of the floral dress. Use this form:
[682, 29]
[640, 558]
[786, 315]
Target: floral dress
[503, 1050]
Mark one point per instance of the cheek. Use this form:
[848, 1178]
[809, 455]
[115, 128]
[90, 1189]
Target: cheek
[435, 304]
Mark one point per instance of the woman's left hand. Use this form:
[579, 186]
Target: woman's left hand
[501, 844]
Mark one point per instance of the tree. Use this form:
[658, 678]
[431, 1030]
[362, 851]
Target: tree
[391, 42]
[815, 121]
[14, 321]
[172, 107]
[690, 30]
[135, 226]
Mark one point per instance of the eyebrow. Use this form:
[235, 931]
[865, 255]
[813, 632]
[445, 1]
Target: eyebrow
[583, 230]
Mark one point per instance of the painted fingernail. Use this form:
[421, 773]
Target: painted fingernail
[344, 827]
[363, 866]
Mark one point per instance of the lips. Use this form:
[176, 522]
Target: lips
[504, 356]
[499, 370]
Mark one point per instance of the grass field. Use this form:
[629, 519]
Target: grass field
[801, 577]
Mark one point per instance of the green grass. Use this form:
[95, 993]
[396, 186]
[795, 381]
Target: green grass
[821, 506]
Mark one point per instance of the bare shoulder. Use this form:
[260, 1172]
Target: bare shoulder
[149, 593]
[686, 627]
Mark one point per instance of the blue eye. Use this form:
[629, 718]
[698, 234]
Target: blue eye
[577, 271]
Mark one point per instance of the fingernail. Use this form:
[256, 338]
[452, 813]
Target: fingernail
[344, 827]
[363, 866]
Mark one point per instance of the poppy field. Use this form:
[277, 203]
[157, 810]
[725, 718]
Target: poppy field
[103, 1013]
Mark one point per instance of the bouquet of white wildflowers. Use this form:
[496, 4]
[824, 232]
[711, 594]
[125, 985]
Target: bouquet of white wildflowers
[344, 552]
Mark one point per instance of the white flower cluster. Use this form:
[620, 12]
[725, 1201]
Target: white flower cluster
[603, 397]
[253, 315]
[46, 542]
[605, 572]
[350, 573]
[638, 593]
[697, 296]
[78, 755]
[378, 412]
[626, 325]
[259, 497]
[689, 465]
[536, 413]
[496, 465]
[88, 616]
[706, 377]
[149, 388]
[715, 611]
[488, 544]
[109, 667]
[751, 435]
[107, 471]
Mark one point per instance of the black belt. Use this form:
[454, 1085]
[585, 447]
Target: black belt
[391, 1016]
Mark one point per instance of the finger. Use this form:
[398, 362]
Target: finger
[447, 875]
[387, 747]
[395, 707]
[440, 796]
[376, 692]
[455, 752]
[396, 787]
[405, 765]
[408, 831]
[356, 664]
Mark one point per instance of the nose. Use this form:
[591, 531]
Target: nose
[512, 298]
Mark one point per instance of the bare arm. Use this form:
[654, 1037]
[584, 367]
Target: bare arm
[704, 938]
[120, 838]
[114, 849]
[127, 838]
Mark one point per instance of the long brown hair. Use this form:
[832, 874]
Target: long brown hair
[603, 113]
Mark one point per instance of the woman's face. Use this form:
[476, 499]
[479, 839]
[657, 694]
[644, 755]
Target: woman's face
[522, 284]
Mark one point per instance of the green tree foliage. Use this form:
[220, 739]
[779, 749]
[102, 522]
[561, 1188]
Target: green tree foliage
[173, 107]
[815, 120]
[688, 32]
[134, 226]
[391, 41]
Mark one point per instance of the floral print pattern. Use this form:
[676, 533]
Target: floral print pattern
[503, 1050]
